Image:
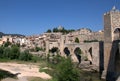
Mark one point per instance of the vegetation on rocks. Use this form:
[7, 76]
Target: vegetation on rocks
[76, 40]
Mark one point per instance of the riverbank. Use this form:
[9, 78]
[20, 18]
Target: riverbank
[23, 71]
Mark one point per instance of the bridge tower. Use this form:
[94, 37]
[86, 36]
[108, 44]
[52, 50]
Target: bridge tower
[111, 34]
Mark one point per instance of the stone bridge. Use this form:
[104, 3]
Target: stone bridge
[92, 51]
[105, 55]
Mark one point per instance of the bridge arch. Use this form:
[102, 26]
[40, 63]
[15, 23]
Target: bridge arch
[116, 33]
[66, 51]
[78, 53]
[90, 55]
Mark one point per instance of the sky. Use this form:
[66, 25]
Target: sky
[33, 17]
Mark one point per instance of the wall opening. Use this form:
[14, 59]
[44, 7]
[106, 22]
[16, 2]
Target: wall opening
[117, 34]
[66, 51]
[91, 56]
[78, 53]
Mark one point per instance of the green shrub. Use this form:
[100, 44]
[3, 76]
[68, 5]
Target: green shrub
[1, 51]
[63, 69]
[76, 40]
[7, 52]
[25, 56]
[39, 49]
[6, 44]
[15, 52]
[66, 71]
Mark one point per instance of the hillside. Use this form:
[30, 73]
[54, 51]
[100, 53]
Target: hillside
[3, 34]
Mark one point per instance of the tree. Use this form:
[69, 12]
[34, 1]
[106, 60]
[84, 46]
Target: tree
[1, 51]
[25, 56]
[76, 40]
[6, 44]
[55, 30]
[7, 52]
[15, 52]
[49, 31]
[66, 71]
